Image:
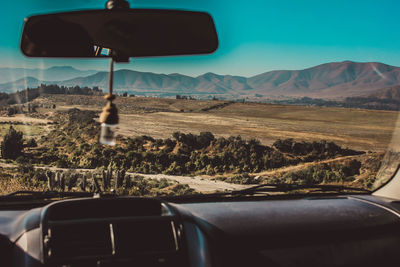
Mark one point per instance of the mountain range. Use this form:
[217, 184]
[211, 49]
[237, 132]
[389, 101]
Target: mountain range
[330, 80]
[57, 73]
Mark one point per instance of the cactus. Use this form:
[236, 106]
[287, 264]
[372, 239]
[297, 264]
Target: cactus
[67, 181]
[120, 176]
[56, 180]
[83, 183]
[50, 180]
[109, 176]
[117, 179]
[73, 178]
[96, 186]
[62, 181]
[105, 180]
[128, 182]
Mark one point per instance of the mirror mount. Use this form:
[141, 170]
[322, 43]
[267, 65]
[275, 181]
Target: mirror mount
[113, 5]
[117, 4]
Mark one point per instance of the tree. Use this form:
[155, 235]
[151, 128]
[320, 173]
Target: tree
[12, 144]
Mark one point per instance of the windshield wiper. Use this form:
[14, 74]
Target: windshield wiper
[285, 188]
[18, 195]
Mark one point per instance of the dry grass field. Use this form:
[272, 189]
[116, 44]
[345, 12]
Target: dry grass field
[368, 130]
[31, 127]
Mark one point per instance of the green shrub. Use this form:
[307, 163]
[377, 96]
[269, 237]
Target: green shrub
[12, 144]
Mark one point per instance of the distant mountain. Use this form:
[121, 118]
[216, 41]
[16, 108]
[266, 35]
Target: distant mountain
[331, 80]
[340, 79]
[133, 80]
[129, 80]
[20, 84]
[58, 73]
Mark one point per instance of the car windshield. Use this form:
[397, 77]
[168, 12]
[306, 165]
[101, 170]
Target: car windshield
[298, 92]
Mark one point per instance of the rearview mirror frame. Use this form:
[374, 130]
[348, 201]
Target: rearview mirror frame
[160, 32]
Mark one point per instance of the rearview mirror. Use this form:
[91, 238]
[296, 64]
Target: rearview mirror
[126, 33]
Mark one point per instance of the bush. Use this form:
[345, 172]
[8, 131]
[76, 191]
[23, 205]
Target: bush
[325, 173]
[243, 178]
[12, 144]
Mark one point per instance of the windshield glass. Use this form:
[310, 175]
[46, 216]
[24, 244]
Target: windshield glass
[302, 93]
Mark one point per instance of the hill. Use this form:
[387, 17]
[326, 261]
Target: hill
[20, 84]
[56, 73]
[332, 80]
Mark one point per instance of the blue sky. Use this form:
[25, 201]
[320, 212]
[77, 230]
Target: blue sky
[255, 36]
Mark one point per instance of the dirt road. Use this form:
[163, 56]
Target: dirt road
[199, 183]
[23, 119]
[203, 184]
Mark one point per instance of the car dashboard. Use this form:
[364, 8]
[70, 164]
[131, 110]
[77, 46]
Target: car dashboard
[337, 230]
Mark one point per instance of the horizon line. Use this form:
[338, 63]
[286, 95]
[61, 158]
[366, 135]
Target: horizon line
[192, 76]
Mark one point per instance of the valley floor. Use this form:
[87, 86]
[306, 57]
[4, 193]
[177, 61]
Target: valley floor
[370, 131]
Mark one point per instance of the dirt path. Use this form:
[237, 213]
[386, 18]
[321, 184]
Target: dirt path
[302, 166]
[202, 184]
[197, 182]
[23, 119]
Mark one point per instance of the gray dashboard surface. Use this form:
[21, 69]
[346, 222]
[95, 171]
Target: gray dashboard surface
[14, 223]
[257, 219]
[340, 227]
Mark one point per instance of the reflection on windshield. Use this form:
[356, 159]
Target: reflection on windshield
[390, 162]
[188, 144]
